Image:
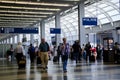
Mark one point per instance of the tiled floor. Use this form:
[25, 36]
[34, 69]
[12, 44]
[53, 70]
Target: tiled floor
[80, 71]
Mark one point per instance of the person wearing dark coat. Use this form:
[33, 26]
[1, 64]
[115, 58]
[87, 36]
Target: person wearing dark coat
[88, 52]
[31, 52]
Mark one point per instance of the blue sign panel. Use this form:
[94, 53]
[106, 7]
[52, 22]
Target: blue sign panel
[55, 30]
[1, 30]
[89, 21]
[19, 30]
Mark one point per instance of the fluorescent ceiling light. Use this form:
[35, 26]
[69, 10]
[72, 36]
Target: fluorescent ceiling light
[16, 21]
[35, 3]
[9, 23]
[20, 18]
[12, 24]
[27, 12]
[22, 15]
[27, 8]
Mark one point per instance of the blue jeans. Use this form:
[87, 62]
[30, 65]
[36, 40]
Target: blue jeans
[65, 59]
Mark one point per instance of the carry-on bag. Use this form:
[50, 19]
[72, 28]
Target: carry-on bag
[55, 59]
[22, 63]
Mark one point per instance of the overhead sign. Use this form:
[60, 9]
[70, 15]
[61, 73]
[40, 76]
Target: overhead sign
[55, 30]
[89, 21]
[8, 30]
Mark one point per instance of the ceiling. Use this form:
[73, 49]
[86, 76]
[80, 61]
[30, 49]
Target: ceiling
[23, 13]
[26, 13]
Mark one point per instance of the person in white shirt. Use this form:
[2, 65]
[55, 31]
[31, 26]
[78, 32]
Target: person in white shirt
[19, 51]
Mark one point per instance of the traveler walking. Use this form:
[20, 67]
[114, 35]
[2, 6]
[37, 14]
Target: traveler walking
[19, 52]
[65, 54]
[76, 51]
[88, 52]
[43, 53]
[31, 52]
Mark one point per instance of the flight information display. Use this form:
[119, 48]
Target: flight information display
[8, 30]
[55, 31]
[89, 21]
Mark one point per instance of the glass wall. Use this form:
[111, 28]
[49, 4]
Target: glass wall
[107, 11]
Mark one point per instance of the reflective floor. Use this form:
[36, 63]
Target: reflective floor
[80, 71]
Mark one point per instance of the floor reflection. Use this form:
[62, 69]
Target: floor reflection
[20, 74]
[65, 77]
[45, 75]
[80, 71]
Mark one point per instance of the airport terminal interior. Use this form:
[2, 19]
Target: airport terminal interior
[25, 22]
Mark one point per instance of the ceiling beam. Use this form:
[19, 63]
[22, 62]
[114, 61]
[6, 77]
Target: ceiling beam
[15, 15]
[19, 18]
[25, 12]
[30, 8]
[35, 3]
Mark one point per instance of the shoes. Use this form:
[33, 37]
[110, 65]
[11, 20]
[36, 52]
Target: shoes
[44, 68]
[65, 71]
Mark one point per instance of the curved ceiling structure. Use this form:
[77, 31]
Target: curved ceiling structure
[26, 13]
[32, 11]
[107, 11]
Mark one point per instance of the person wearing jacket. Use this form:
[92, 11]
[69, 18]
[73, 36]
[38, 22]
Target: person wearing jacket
[65, 54]
[31, 52]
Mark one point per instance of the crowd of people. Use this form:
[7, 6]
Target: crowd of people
[75, 52]
[78, 53]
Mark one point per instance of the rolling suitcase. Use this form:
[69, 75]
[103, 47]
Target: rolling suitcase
[55, 59]
[22, 63]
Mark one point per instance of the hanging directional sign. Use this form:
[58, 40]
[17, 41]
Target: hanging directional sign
[55, 30]
[8, 30]
[89, 21]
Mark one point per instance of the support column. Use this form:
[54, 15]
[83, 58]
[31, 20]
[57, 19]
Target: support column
[81, 28]
[115, 35]
[98, 39]
[32, 39]
[39, 34]
[57, 25]
[3, 41]
[87, 38]
[42, 29]
[18, 38]
[13, 39]
[24, 39]
[92, 39]
[95, 39]
[9, 40]
[119, 38]
[24, 35]
[6, 41]
[3, 48]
